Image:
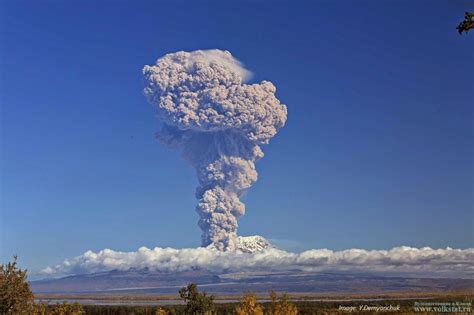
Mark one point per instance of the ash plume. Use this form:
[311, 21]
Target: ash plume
[219, 122]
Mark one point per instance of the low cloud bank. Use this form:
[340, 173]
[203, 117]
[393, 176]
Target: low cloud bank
[398, 260]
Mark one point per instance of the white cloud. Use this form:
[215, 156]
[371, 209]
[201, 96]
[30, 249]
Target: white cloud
[409, 260]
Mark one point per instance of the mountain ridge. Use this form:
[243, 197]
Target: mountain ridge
[133, 281]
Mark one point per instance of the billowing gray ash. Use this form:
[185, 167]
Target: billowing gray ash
[220, 123]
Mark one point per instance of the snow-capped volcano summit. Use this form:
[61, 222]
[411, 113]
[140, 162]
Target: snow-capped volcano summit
[252, 244]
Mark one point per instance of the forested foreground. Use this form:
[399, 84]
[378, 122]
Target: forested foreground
[403, 306]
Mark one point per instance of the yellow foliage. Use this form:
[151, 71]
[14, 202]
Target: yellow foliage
[67, 309]
[249, 306]
[161, 311]
[40, 309]
[281, 307]
[15, 294]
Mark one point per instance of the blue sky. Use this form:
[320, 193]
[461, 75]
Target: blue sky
[377, 151]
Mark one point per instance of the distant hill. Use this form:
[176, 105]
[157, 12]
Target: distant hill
[151, 282]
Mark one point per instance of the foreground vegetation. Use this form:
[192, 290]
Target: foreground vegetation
[303, 308]
[16, 296]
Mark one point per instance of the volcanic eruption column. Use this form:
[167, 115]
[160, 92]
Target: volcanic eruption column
[220, 123]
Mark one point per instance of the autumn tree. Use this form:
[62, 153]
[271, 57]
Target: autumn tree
[196, 302]
[161, 311]
[249, 306]
[282, 306]
[67, 309]
[40, 309]
[15, 294]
